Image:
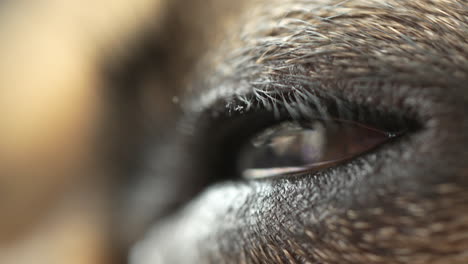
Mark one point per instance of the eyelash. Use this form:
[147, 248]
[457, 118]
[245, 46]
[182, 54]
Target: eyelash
[232, 121]
[291, 106]
[277, 101]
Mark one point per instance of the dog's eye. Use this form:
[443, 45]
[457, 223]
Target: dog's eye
[293, 147]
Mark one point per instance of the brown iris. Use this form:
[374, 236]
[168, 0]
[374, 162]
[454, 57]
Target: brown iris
[294, 147]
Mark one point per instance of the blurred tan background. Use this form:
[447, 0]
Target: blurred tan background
[54, 184]
[65, 128]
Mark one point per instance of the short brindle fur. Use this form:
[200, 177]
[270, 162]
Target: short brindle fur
[406, 203]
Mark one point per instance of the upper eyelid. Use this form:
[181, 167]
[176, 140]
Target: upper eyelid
[264, 61]
[276, 102]
[288, 106]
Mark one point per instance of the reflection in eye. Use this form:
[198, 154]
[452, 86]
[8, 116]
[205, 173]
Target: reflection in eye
[294, 147]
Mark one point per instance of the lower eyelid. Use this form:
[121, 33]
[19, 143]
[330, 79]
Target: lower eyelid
[255, 174]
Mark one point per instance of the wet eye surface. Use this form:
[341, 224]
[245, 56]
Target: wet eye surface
[238, 141]
[293, 147]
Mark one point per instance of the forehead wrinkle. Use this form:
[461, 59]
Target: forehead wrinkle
[298, 44]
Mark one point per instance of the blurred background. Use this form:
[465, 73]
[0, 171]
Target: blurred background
[85, 87]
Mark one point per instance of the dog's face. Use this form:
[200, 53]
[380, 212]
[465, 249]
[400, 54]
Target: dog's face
[356, 110]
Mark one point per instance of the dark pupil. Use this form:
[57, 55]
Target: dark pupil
[286, 145]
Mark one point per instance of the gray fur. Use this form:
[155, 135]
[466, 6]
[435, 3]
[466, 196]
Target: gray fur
[405, 203]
